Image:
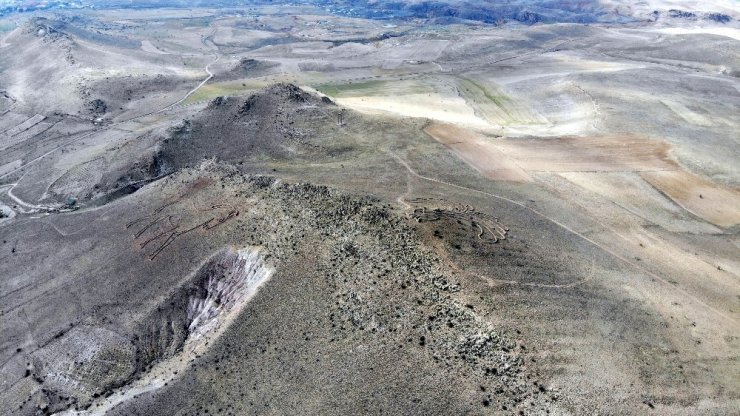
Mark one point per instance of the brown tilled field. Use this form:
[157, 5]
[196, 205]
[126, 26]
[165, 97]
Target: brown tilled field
[479, 151]
[705, 199]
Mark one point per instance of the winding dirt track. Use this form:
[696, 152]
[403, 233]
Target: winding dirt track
[194, 90]
[96, 130]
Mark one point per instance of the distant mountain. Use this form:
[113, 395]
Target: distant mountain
[544, 11]
[486, 11]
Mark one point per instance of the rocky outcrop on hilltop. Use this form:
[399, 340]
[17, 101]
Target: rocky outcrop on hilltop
[281, 121]
[373, 283]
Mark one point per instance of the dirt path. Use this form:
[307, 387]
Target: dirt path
[479, 152]
[617, 256]
[204, 39]
[32, 208]
[194, 90]
[703, 198]
[96, 130]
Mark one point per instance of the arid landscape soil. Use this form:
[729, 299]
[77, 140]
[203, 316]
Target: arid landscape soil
[373, 208]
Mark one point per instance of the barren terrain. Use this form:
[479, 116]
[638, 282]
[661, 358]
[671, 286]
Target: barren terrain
[320, 210]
